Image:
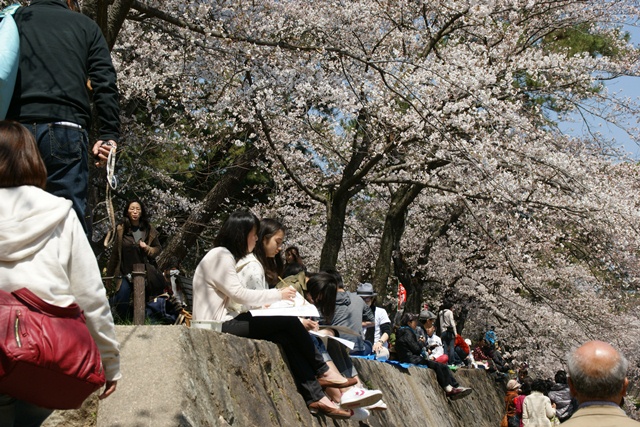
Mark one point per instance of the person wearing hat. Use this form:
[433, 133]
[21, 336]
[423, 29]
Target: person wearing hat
[510, 418]
[427, 317]
[379, 333]
[425, 321]
[408, 350]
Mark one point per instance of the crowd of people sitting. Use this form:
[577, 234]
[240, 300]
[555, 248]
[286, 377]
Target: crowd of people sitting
[246, 270]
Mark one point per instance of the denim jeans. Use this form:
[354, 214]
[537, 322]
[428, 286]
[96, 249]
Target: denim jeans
[18, 413]
[121, 301]
[64, 150]
[448, 342]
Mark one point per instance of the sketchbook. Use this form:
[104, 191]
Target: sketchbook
[324, 339]
[299, 307]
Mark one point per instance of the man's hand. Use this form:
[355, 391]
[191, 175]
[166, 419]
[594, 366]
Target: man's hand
[101, 150]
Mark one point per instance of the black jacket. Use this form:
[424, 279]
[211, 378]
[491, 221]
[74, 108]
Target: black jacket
[408, 348]
[59, 50]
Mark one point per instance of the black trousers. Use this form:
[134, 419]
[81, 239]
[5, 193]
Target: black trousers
[443, 374]
[304, 360]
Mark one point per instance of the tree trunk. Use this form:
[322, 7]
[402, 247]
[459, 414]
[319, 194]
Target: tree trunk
[392, 233]
[414, 282]
[108, 17]
[227, 187]
[336, 212]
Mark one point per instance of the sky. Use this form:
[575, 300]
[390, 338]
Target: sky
[626, 87]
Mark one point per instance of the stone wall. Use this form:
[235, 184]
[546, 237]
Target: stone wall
[176, 376]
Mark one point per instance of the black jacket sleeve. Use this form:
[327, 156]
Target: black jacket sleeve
[407, 347]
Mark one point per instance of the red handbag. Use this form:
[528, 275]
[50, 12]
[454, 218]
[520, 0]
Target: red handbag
[47, 355]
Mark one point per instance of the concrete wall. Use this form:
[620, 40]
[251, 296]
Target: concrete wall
[176, 376]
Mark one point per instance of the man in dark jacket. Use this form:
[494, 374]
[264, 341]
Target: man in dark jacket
[62, 54]
[561, 396]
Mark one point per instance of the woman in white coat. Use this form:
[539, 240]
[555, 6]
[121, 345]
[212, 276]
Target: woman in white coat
[43, 247]
[218, 292]
[537, 409]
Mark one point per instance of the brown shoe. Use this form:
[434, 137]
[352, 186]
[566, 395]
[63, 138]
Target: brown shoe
[330, 411]
[348, 382]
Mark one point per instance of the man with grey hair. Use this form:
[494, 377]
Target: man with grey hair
[597, 379]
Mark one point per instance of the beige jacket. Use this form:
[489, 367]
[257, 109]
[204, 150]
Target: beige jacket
[537, 410]
[600, 416]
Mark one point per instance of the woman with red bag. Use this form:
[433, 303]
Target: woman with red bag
[43, 248]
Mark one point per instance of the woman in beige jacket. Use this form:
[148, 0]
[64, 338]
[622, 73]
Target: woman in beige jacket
[537, 409]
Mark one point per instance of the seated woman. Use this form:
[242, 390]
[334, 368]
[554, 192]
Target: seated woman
[43, 247]
[262, 268]
[293, 262]
[322, 288]
[408, 350]
[251, 273]
[216, 285]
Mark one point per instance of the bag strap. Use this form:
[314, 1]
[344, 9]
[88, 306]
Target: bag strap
[31, 300]
[10, 10]
[112, 184]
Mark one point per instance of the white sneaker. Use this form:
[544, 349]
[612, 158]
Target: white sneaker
[357, 397]
[378, 406]
[359, 414]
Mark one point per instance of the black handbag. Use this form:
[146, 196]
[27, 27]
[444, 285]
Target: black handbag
[155, 283]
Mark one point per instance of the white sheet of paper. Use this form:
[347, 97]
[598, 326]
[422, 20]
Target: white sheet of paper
[342, 341]
[299, 307]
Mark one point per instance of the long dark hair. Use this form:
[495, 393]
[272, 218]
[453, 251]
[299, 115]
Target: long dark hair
[234, 233]
[273, 267]
[322, 287]
[295, 253]
[144, 216]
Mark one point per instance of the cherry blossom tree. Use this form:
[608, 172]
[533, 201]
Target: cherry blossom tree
[419, 132]
[436, 117]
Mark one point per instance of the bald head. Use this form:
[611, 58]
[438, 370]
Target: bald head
[597, 371]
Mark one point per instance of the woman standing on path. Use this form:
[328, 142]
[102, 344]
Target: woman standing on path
[136, 243]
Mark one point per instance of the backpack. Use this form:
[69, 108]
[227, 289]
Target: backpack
[9, 56]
